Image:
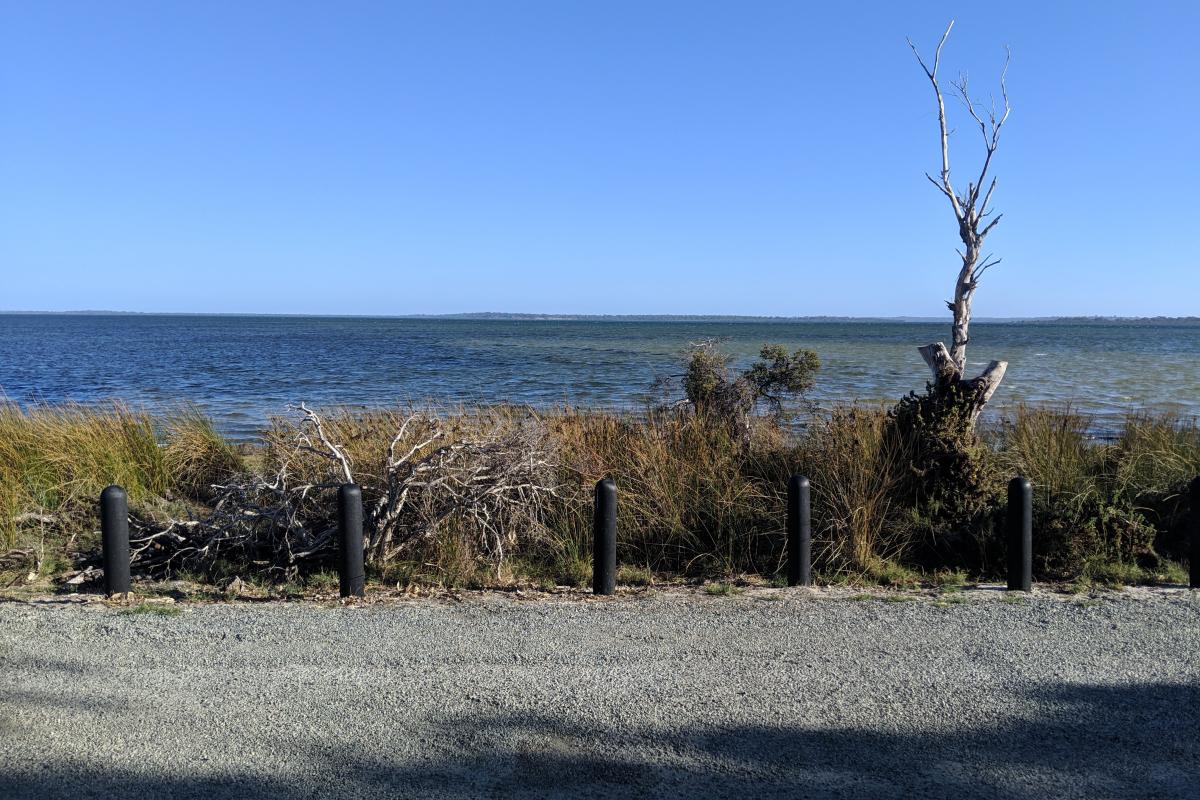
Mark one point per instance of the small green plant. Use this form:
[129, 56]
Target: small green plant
[1013, 599]
[861, 598]
[153, 610]
[1171, 572]
[628, 575]
[323, 582]
[951, 580]
[771, 381]
[948, 600]
[890, 573]
[722, 589]
[898, 598]
[576, 572]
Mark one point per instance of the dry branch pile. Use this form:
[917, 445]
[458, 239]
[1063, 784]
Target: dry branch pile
[489, 475]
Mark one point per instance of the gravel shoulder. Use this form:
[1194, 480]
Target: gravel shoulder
[771, 693]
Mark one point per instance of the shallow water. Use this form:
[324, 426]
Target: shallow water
[243, 369]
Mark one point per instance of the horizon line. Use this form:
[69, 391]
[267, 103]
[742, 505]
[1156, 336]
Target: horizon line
[567, 317]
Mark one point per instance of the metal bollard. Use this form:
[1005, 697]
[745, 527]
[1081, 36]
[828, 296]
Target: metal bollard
[351, 573]
[1194, 557]
[1020, 535]
[114, 527]
[799, 532]
[604, 538]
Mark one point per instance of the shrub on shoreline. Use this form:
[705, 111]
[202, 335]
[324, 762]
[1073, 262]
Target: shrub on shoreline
[1116, 502]
[696, 500]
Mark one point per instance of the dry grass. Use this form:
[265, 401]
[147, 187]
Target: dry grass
[55, 460]
[1103, 507]
[856, 468]
[196, 455]
[693, 500]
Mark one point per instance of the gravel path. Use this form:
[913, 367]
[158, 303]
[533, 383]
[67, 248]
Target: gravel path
[766, 694]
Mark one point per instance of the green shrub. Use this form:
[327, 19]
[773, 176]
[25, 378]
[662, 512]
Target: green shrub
[1099, 502]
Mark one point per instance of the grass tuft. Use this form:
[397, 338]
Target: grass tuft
[634, 576]
[153, 610]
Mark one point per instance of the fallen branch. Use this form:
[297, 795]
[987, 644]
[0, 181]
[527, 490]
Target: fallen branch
[492, 486]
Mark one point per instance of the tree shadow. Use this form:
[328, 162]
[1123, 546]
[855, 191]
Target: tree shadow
[1075, 741]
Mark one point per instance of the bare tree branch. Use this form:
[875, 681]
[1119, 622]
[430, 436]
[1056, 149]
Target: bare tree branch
[946, 186]
[988, 228]
[334, 450]
[969, 212]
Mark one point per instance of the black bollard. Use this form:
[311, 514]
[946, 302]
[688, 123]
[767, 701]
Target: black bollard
[351, 574]
[1194, 558]
[114, 527]
[799, 532]
[1020, 535]
[604, 539]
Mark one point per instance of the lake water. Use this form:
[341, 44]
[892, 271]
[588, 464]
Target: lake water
[243, 369]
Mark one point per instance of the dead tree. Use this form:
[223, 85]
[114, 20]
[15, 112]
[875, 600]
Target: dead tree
[971, 213]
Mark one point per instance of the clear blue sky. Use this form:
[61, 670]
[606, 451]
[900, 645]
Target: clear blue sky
[587, 157]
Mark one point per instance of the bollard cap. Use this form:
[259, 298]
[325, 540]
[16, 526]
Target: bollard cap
[1020, 483]
[799, 480]
[112, 492]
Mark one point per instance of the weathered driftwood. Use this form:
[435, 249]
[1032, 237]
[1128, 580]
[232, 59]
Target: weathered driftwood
[31, 518]
[946, 376]
[971, 216]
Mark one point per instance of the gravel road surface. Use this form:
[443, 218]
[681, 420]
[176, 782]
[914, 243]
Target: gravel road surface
[766, 694]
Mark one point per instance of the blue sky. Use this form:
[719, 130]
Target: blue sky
[587, 157]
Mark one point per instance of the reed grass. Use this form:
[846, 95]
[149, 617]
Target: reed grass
[694, 501]
[1103, 507]
[196, 456]
[55, 460]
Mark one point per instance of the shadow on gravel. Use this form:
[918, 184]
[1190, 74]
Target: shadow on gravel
[1086, 741]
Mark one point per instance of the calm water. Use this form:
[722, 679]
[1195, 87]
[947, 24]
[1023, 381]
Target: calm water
[242, 369]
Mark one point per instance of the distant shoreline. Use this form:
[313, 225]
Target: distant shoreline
[705, 318]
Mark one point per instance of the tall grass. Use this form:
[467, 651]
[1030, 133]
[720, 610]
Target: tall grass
[195, 455]
[857, 468]
[693, 500]
[1117, 502]
[54, 460]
